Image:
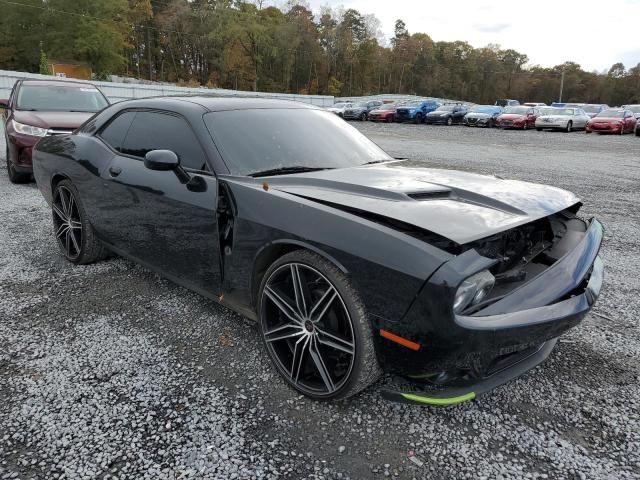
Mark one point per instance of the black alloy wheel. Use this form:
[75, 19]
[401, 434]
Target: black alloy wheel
[314, 328]
[363, 116]
[74, 235]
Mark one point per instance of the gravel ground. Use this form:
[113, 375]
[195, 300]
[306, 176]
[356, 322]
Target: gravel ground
[109, 371]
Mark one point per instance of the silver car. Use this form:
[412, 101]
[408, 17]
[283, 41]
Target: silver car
[567, 119]
[635, 109]
[340, 107]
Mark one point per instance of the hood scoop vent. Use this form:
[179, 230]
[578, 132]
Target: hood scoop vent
[438, 195]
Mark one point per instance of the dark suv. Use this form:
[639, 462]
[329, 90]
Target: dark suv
[38, 108]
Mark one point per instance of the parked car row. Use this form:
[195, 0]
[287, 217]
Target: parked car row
[505, 114]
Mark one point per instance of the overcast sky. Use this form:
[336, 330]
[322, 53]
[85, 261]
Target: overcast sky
[593, 33]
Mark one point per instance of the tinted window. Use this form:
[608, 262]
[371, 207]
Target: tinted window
[256, 140]
[117, 129]
[163, 131]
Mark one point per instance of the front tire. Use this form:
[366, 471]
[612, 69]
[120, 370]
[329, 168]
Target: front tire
[15, 176]
[363, 116]
[449, 121]
[315, 328]
[74, 234]
[569, 128]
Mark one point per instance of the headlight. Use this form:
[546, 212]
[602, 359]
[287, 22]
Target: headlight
[473, 290]
[28, 129]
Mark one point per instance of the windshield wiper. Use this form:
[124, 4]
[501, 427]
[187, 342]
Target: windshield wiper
[382, 161]
[286, 170]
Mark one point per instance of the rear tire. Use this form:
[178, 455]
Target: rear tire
[328, 367]
[74, 233]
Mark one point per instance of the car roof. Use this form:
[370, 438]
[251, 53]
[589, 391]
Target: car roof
[218, 103]
[58, 83]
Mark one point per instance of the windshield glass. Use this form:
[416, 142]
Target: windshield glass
[557, 111]
[516, 110]
[634, 108]
[611, 114]
[252, 141]
[341, 105]
[592, 108]
[485, 109]
[50, 98]
[446, 108]
[388, 106]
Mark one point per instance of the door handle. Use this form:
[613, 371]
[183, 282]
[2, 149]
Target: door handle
[115, 171]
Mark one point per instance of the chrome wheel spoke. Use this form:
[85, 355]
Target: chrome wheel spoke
[298, 290]
[59, 213]
[282, 332]
[74, 241]
[335, 342]
[282, 304]
[298, 357]
[75, 225]
[320, 366]
[322, 305]
[62, 229]
[64, 203]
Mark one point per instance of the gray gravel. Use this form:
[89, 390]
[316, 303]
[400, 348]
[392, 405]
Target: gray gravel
[109, 371]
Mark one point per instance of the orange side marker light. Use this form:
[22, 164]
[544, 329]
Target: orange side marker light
[402, 341]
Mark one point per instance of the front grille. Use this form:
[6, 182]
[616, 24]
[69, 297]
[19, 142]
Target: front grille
[506, 122]
[472, 120]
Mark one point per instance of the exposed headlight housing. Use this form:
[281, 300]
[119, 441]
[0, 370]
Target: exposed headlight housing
[473, 290]
[28, 129]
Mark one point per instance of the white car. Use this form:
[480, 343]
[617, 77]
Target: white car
[567, 119]
[340, 107]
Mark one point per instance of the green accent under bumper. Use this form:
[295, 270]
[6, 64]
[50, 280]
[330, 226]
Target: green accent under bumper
[412, 397]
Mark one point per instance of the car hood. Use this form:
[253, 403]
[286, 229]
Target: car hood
[460, 206]
[438, 113]
[479, 115]
[66, 120]
[557, 117]
[606, 119]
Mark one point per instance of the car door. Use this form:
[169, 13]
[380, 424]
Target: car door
[458, 114]
[157, 217]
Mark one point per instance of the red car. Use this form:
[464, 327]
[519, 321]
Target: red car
[38, 108]
[384, 113]
[612, 121]
[521, 117]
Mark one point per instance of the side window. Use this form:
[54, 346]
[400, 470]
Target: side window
[163, 131]
[115, 131]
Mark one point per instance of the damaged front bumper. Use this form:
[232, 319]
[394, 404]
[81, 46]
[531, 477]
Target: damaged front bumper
[507, 338]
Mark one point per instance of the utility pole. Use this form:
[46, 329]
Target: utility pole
[561, 85]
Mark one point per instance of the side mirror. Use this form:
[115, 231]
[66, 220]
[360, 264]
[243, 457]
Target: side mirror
[161, 160]
[4, 103]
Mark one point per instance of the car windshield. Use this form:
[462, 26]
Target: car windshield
[611, 114]
[557, 111]
[59, 98]
[258, 140]
[516, 110]
[485, 109]
[446, 108]
[361, 105]
[414, 103]
[634, 108]
[592, 108]
[388, 106]
[341, 105]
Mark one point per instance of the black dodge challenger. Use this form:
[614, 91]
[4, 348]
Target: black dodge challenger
[352, 263]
